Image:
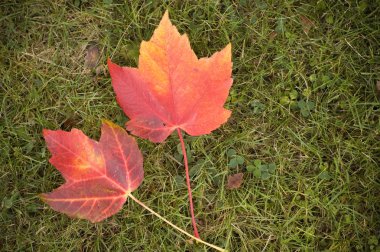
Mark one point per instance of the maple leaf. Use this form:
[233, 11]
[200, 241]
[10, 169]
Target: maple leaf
[99, 175]
[171, 88]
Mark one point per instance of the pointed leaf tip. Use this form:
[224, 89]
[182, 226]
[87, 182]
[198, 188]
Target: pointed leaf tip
[166, 14]
[229, 46]
[45, 132]
[165, 18]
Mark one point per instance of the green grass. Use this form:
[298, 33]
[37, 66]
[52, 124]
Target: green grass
[324, 194]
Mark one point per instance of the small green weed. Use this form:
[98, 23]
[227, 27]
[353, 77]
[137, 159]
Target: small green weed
[235, 160]
[261, 170]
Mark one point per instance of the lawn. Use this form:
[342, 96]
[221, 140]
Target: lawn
[304, 98]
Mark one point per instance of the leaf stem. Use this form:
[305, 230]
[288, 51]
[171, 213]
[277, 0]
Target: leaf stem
[188, 183]
[174, 226]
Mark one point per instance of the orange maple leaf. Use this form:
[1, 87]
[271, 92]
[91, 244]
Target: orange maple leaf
[171, 88]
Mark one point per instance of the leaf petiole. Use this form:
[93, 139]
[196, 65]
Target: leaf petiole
[188, 183]
[174, 226]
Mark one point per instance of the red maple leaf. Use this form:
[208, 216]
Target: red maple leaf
[99, 175]
[171, 88]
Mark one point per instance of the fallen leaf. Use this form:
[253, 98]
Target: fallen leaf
[92, 56]
[70, 122]
[99, 175]
[235, 181]
[171, 88]
[306, 23]
[272, 35]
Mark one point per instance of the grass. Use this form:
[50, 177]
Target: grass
[324, 194]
